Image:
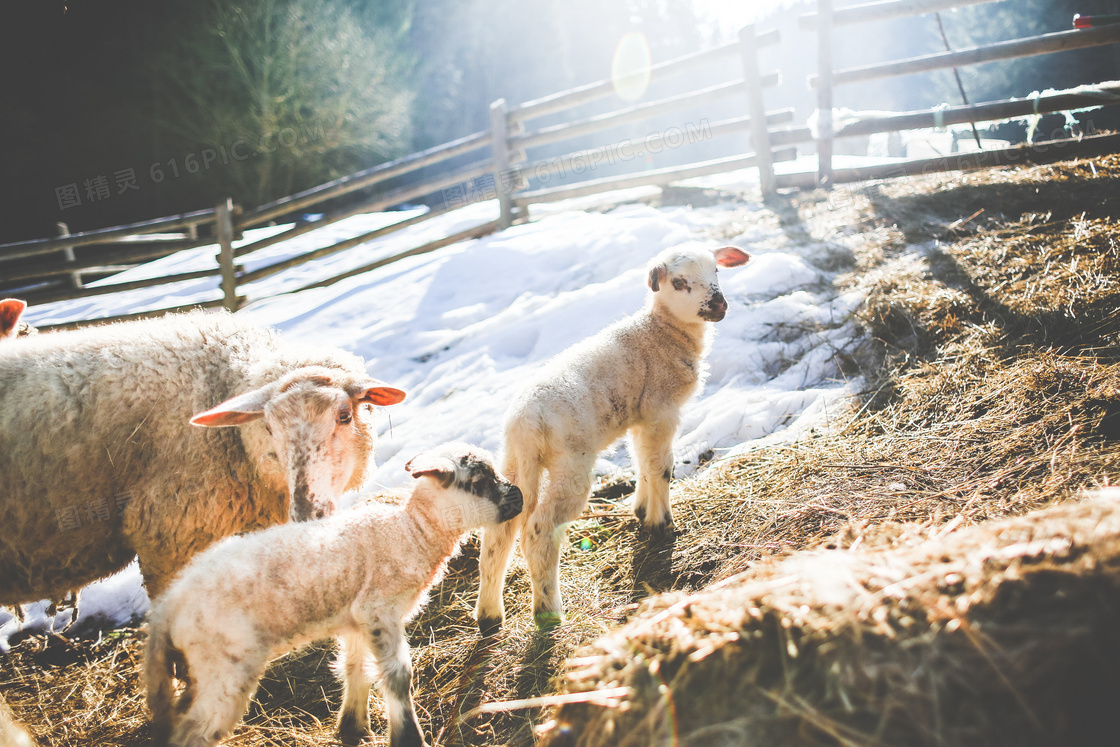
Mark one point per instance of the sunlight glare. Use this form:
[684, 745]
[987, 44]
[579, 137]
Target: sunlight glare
[630, 66]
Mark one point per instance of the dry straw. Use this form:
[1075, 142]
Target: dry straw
[993, 390]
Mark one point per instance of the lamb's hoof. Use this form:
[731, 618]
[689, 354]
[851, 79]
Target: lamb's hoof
[489, 626]
[640, 512]
[661, 532]
[547, 622]
[353, 738]
[352, 733]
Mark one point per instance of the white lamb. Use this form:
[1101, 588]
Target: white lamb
[633, 376]
[99, 462]
[360, 575]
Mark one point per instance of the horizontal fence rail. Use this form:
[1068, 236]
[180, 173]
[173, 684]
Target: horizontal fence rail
[364, 179]
[1106, 94]
[569, 130]
[264, 272]
[657, 140]
[1058, 41]
[467, 173]
[38, 247]
[595, 91]
[110, 260]
[647, 178]
[883, 11]
[471, 233]
[1016, 155]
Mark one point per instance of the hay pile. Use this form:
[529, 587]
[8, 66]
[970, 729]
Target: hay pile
[994, 390]
[1007, 633]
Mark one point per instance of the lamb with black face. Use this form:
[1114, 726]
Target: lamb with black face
[476, 475]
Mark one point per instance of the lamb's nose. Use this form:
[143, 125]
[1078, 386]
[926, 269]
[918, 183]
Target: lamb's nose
[719, 303]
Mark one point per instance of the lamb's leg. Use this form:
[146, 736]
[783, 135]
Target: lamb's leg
[493, 561]
[159, 676]
[565, 497]
[653, 451]
[215, 702]
[353, 718]
[390, 649]
[497, 544]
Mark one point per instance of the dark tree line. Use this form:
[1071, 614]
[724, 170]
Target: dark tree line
[122, 110]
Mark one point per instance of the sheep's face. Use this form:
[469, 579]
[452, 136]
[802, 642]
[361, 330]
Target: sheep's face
[318, 423]
[684, 281]
[471, 494]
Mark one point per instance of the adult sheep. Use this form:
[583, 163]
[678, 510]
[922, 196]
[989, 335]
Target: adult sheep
[99, 461]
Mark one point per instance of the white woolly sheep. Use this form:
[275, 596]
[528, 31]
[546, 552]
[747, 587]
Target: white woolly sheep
[360, 575]
[633, 376]
[10, 311]
[99, 462]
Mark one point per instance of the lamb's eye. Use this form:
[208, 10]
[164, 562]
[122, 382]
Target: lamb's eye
[344, 417]
[267, 428]
[679, 284]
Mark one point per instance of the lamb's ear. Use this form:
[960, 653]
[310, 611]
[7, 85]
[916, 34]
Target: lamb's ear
[376, 392]
[731, 256]
[244, 408]
[657, 276]
[441, 468]
[10, 311]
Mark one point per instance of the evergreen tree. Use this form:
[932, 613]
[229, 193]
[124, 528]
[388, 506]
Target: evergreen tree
[296, 90]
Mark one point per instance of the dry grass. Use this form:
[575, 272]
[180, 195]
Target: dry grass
[999, 394]
[1001, 634]
[996, 391]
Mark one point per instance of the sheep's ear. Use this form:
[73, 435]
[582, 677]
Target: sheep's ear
[376, 393]
[10, 311]
[244, 408]
[657, 276]
[441, 468]
[731, 256]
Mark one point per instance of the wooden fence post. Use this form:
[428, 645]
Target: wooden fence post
[824, 94]
[68, 255]
[499, 132]
[225, 256]
[756, 108]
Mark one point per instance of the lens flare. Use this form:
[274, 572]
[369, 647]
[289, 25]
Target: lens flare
[630, 66]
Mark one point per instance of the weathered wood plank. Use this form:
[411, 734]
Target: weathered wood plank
[1059, 41]
[883, 11]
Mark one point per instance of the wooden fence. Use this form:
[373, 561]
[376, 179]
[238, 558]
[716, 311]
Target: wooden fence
[505, 155]
[501, 154]
[825, 20]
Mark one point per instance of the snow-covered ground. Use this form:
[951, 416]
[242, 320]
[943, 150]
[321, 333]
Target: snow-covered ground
[461, 328]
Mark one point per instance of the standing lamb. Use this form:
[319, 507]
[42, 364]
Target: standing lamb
[99, 461]
[360, 575]
[10, 311]
[633, 376]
